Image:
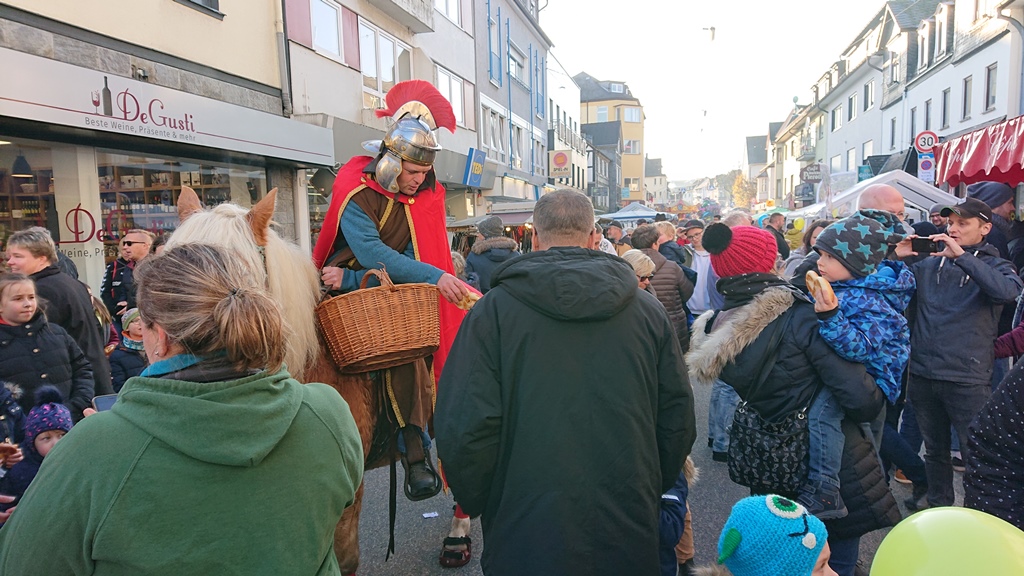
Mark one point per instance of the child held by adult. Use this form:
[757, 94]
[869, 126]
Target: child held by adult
[34, 352]
[129, 358]
[46, 424]
[859, 298]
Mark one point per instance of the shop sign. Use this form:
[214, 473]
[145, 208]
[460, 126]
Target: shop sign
[811, 174]
[474, 175]
[58, 93]
[559, 165]
[864, 172]
[625, 193]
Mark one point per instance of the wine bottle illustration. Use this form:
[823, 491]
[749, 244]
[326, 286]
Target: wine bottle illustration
[108, 109]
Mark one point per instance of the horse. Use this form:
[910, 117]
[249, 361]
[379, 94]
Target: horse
[294, 282]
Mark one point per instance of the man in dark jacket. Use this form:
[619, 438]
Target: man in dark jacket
[564, 454]
[774, 225]
[118, 288]
[961, 292]
[66, 301]
[491, 248]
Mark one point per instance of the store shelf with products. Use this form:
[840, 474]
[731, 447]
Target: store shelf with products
[146, 198]
[25, 201]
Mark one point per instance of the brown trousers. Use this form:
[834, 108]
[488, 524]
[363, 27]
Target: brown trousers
[410, 390]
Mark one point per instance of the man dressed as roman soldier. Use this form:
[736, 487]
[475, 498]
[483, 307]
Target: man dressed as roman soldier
[389, 209]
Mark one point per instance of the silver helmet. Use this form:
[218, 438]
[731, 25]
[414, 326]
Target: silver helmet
[418, 109]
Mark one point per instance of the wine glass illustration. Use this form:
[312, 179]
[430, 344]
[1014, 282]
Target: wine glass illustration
[96, 100]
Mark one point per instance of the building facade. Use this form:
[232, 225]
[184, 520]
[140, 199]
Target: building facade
[119, 116]
[567, 148]
[604, 165]
[612, 101]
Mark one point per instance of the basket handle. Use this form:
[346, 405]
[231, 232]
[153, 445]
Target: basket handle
[382, 276]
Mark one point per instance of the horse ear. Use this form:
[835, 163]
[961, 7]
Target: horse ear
[260, 215]
[188, 203]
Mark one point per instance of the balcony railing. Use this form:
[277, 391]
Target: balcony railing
[418, 15]
[564, 133]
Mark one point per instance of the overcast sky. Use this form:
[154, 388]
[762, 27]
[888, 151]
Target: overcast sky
[703, 97]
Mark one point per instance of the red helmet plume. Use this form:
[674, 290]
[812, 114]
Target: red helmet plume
[424, 92]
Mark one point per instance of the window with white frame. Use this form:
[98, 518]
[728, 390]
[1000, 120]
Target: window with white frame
[384, 61]
[940, 33]
[944, 113]
[913, 123]
[965, 110]
[631, 147]
[837, 118]
[602, 113]
[450, 9]
[450, 86]
[540, 157]
[516, 65]
[632, 183]
[616, 87]
[835, 163]
[867, 149]
[326, 17]
[494, 44]
[894, 69]
[631, 114]
[493, 135]
[990, 87]
[851, 159]
[518, 146]
[927, 114]
[869, 95]
[851, 107]
[922, 48]
[892, 134]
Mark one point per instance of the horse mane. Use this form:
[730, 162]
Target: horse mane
[289, 274]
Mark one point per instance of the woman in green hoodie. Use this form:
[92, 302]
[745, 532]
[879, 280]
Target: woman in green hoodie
[213, 461]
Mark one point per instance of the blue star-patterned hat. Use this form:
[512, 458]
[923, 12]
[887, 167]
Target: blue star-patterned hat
[859, 242]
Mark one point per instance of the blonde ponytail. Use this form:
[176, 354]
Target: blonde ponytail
[208, 302]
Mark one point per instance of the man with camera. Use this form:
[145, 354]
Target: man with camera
[962, 287]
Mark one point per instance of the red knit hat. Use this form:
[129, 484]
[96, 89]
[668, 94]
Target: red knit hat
[740, 250]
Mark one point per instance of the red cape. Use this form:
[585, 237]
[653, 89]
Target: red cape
[429, 237]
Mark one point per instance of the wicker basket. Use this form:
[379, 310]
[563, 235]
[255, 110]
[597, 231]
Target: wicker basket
[376, 328]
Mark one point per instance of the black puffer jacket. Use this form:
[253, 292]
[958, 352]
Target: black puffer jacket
[734, 346]
[486, 255]
[864, 488]
[38, 353]
[673, 289]
[67, 304]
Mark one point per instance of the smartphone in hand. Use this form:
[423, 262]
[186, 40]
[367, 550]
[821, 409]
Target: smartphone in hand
[925, 246]
[105, 402]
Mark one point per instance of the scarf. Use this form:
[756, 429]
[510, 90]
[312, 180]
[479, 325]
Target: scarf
[740, 290]
[132, 344]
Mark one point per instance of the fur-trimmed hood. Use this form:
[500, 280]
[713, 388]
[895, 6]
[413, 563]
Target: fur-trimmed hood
[732, 332]
[713, 570]
[496, 243]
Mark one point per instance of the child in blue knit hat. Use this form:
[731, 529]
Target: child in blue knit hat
[773, 536]
[46, 424]
[860, 299]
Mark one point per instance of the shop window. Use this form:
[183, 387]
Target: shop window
[26, 189]
[142, 192]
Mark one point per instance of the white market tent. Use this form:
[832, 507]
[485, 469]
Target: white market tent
[629, 214]
[918, 195]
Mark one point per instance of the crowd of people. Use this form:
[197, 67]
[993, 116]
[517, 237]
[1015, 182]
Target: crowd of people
[213, 459]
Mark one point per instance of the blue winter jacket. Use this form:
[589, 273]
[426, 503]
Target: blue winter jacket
[869, 326]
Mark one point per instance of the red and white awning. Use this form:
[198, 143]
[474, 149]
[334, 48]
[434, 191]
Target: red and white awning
[991, 153]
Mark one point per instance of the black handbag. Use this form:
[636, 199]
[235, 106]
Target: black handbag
[769, 456]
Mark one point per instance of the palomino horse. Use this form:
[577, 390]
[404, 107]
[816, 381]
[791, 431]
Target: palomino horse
[295, 283]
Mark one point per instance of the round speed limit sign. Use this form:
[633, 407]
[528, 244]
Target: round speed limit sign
[925, 141]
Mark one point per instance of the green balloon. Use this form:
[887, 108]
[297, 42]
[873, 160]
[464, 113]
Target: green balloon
[950, 542]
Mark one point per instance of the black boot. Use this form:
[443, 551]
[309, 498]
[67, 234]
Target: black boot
[917, 500]
[421, 481]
